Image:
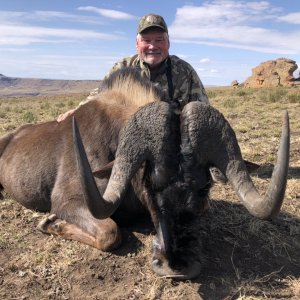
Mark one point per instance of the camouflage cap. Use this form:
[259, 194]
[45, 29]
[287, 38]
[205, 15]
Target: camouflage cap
[152, 20]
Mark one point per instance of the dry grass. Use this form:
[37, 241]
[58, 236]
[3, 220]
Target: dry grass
[15, 111]
[246, 258]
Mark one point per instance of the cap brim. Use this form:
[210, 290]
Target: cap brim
[152, 26]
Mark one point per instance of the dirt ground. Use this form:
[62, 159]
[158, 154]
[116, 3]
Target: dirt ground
[245, 258]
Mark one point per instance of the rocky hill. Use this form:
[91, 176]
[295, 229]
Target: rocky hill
[273, 73]
[14, 86]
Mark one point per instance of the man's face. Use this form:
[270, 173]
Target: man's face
[153, 46]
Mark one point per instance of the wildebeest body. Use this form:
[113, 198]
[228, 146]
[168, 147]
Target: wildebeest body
[40, 158]
[161, 165]
[38, 168]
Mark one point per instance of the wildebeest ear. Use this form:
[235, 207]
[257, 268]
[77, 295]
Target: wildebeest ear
[105, 171]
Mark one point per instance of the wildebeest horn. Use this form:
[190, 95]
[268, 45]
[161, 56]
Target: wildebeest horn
[214, 142]
[99, 207]
[142, 138]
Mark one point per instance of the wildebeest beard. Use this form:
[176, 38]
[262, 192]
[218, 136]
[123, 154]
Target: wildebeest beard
[180, 210]
[178, 204]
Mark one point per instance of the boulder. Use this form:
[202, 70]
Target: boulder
[273, 73]
[234, 84]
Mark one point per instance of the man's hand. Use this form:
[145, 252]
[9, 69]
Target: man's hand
[63, 116]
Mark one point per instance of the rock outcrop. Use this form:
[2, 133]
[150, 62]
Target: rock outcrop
[273, 73]
[234, 84]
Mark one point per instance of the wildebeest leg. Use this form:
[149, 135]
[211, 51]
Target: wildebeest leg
[104, 234]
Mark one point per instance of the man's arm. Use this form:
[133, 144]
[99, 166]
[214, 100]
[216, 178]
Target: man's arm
[197, 90]
[187, 84]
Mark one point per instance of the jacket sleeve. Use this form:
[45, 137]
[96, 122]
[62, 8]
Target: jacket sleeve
[197, 90]
[187, 84]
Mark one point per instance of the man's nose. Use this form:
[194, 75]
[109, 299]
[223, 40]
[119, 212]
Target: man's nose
[152, 45]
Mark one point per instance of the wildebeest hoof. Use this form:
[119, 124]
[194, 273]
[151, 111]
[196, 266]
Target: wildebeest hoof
[43, 225]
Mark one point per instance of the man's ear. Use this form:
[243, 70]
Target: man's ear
[136, 42]
[105, 171]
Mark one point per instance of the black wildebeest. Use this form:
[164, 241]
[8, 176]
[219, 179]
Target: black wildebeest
[161, 166]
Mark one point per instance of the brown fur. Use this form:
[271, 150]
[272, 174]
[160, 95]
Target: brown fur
[38, 167]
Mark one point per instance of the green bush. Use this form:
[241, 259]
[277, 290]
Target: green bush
[229, 103]
[28, 117]
[211, 93]
[45, 105]
[241, 93]
[276, 95]
[293, 98]
[60, 104]
[71, 103]
[55, 112]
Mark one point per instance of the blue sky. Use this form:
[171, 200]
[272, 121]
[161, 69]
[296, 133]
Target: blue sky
[69, 39]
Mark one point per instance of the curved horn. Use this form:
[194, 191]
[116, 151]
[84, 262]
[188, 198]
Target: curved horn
[100, 207]
[141, 139]
[214, 142]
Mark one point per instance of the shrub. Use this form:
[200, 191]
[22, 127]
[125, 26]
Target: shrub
[241, 93]
[45, 105]
[211, 93]
[54, 112]
[276, 95]
[229, 103]
[71, 103]
[294, 98]
[60, 104]
[28, 117]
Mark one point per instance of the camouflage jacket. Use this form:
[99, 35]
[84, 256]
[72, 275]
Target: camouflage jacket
[186, 84]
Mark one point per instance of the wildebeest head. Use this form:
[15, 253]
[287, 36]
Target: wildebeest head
[177, 152]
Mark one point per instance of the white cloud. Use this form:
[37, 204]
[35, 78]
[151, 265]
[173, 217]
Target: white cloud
[21, 17]
[204, 60]
[108, 13]
[17, 50]
[293, 18]
[23, 35]
[182, 56]
[235, 24]
[19, 28]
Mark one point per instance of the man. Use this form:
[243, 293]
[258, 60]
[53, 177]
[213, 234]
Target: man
[176, 78]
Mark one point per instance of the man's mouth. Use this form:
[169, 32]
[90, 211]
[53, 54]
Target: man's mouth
[153, 53]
